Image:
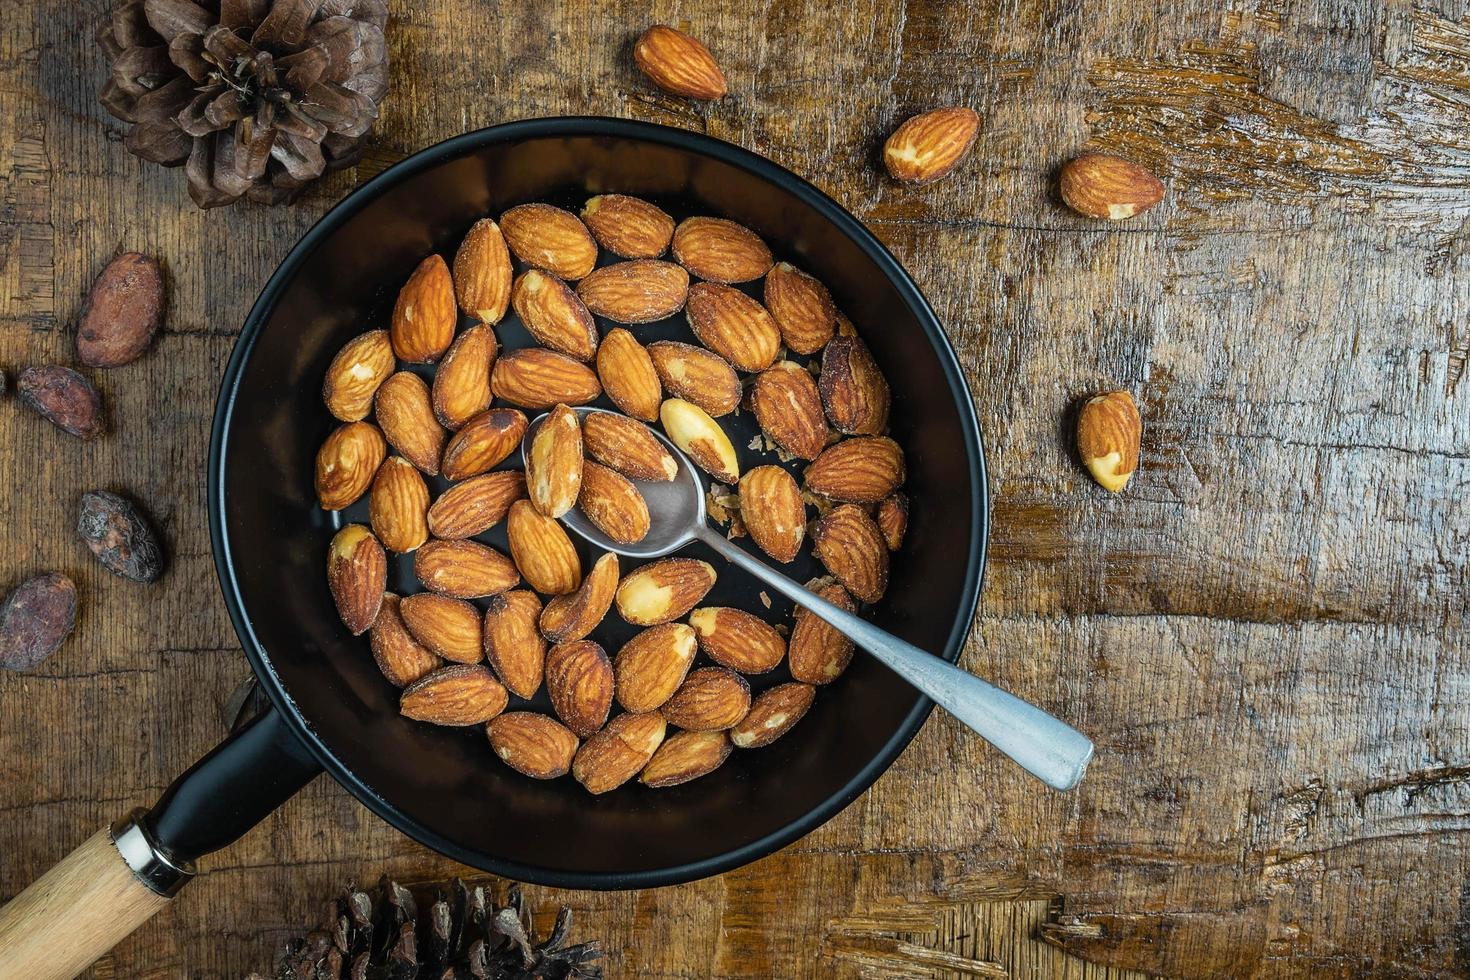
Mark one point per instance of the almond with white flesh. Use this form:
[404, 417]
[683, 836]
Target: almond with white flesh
[542, 550]
[701, 439]
[457, 695]
[685, 756]
[483, 443]
[733, 325]
[347, 463]
[619, 752]
[355, 373]
[640, 291]
[357, 571]
[1109, 431]
[533, 744]
[461, 388]
[802, 308]
[697, 376]
[721, 251]
[398, 507]
[400, 658]
[464, 569]
[611, 502]
[817, 653]
[628, 376]
[772, 714]
[893, 519]
[930, 145]
[575, 615]
[406, 416]
[482, 273]
[555, 315]
[679, 64]
[734, 638]
[854, 391]
[514, 647]
[554, 463]
[651, 666]
[579, 680]
[773, 511]
[449, 627]
[863, 470]
[850, 545]
[476, 505]
[538, 379]
[627, 446]
[664, 590]
[789, 409]
[710, 699]
[1100, 185]
[424, 316]
[628, 226]
[549, 238]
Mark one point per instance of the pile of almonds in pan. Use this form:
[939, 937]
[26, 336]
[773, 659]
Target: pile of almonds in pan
[492, 626]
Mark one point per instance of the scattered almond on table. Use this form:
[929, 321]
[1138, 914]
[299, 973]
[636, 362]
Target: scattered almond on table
[1099, 185]
[1109, 431]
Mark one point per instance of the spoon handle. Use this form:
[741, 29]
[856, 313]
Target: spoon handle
[1049, 749]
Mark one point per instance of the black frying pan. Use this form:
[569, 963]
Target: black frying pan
[330, 708]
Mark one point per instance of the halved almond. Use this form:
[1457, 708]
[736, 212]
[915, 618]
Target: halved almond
[476, 505]
[355, 373]
[734, 638]
[464, 569]
[789, 409]
[483, 443]
[482, 272]
[449, 627]
[579, 680]
[628, 375]
[424, 316]
[640, 291]
[773, 511]
[685, 756]
[651, 666]
[399, 506]
[554, 314]
[461, 387]
[733, 325]
[772, 715]
[542, 550]
[513, 643]
[610, 501]
[549, 238]
[664, 590]
[406, 416]
[802, 308]
[698, 376]
[460, 694]
[554, 463]
[347, 463]
[720, 250]
[701, 438]
[627, 446]
[628, 226]
[573, 616]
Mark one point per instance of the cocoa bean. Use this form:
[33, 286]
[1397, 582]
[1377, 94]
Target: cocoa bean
[122, 312]
[62, 397]
[34, 620]
[119, 535]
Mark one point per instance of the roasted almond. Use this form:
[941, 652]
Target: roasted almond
[610, 501]
[554, 314]
[710, 699]
[817, 653]
[616, 754]
[554, 463]
[542, 550]
[627, 446]
[628, 376]
[1100, 185]
[533, 378]
[802, 308]
[579, 680]
[854, 391]
[664, 590]
[789, 409]
[1109, 431]
[697, 376]
[424, 317]
[733, 325]
[772, 714]
[678, 64]
[483, 443]
[893, 519]
[862, 470]
[355, 373]
[400, 657]
[460, 694]
[448, 627]
[476, 505]
[533, 744]
[721, 250]
[461, 387]
[62, 397]
[357, 570]
[849, 543]
[845, 327]
[482, 272]
[639, 291]
[651, 666]
[930, 145]
[513, 644]
[701, 438]
[628, 226]
[347, 463]
[773, 512]
[734, 638]
[122, 312]
[399, 505]
[685, 756]
[573, 616]
[406, 416]
[464, 569]
[549, 238]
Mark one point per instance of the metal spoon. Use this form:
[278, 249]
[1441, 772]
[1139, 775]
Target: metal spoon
[1050, 750]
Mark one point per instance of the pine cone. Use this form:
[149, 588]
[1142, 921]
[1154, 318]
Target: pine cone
[254, 97]
[379, 935]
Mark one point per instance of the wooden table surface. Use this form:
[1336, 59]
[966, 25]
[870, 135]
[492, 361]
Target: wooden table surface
[1264, 634]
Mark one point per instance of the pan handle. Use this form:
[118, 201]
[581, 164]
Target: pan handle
[123, 875]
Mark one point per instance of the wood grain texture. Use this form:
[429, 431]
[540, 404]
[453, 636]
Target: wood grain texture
[1265, 633]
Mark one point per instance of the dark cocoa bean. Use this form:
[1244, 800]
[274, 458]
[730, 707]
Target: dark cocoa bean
[119, 535]
[34, 620]
[122, 312]
[62, 397]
